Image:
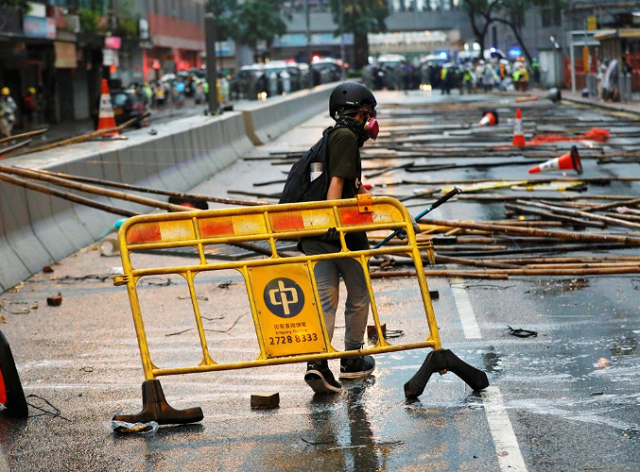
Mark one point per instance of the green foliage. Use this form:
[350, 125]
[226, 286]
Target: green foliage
[89, 20]
[127, 21]
[225, 12]
[20, 5]
[127, 27]
[361, 16]
[259, 20]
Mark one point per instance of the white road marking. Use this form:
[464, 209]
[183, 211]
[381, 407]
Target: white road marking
[465, 311]
[507, 447]
[509, 455]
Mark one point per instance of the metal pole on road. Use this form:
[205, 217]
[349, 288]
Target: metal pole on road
[212, 67]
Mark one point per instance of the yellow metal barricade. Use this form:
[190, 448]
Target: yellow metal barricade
[282, 291]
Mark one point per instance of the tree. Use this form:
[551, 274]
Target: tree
[259, 20]
[480, 14]
[483, 13]
[224, 12]
[360, 17]
[21, 5]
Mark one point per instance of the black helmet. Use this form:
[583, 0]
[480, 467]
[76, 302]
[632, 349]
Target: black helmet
[350, 95]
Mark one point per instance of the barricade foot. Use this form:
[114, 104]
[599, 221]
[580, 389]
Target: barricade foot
[444, 360]
[155, 408]
[11, 393]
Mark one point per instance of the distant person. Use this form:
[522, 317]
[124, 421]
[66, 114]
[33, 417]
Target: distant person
[8, 109]
[488, 78]
[536, 73]
[29, 108]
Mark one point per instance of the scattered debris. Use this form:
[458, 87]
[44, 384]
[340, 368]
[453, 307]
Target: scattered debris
[265, 401]
[178, 332]
[318, 443]
[226, 284]
[372, 332]
[47, 269]
[230, 327]
[204, 299]
[55, 300]
[160, 283]
[86, 369]
[109, 247]
[522, 333]
[56, 411]
[17, 288]
[123, 427]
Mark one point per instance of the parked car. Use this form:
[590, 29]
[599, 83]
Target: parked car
[326, 70]
[249, 82]
[278, 78]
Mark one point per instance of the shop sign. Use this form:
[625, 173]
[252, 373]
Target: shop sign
[143, 27]
[110, 58]
[66, 57]
[319, 39]
[38, 27]
[112, 42]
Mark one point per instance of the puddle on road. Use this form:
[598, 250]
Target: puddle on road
[555, 287]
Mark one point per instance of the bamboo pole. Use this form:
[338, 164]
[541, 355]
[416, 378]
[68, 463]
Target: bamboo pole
[67, 196]
[608, 206]
[86, 137]
[548, 214]
[506, 273]
[471, 262]
[92, 189]
[589, 180]
[135, 188]
[607, 219]
[607, 238]
[586, 265]
[27, 135]
[469, 274]
[569, 260]
[15, 147]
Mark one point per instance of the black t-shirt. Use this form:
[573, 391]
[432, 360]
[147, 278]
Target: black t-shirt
[344, 161]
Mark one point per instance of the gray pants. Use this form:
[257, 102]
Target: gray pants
[328, 280]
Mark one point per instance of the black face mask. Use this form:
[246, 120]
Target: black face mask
[355, 126]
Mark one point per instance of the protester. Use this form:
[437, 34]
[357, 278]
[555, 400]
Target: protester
[352, 106]
[8, 109]
[29, 107]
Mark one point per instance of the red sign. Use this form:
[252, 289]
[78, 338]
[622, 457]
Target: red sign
[112, 42]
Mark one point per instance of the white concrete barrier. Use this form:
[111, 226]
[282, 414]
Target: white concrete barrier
[37, 229]
[269, 119]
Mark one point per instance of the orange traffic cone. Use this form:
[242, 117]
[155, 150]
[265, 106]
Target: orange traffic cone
[11, 393]
[106, 118]
[489, 118]
[518, 134]
[568, 161]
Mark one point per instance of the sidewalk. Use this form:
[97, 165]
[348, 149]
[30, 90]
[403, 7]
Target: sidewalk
[627, 107]
[71, 129]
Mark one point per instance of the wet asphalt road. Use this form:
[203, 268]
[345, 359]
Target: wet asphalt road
[550, 407]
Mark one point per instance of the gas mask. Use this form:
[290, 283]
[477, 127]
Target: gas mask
[371, 128]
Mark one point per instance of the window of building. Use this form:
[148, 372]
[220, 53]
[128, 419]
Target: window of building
[551, 16]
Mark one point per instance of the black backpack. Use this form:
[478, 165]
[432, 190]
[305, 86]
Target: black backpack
[299, 187]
